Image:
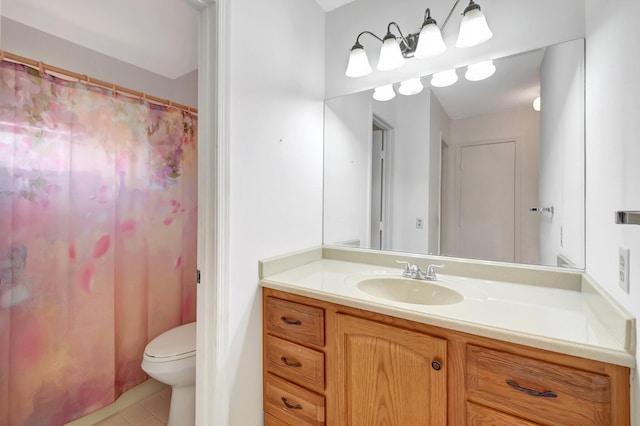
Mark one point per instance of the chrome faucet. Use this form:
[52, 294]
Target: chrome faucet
[414, 271]
[410, 271]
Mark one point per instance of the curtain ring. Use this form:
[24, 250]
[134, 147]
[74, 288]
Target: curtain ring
[1, 55]
[41, 67]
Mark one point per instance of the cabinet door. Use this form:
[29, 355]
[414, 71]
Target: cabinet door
[389, 376]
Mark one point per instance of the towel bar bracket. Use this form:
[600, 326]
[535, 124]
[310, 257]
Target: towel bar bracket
[628, 217]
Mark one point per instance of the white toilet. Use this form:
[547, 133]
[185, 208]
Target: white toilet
[171, 358]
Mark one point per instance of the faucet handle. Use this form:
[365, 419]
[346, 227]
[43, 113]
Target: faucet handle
[430, 267]
[431, 274]
[407, 266]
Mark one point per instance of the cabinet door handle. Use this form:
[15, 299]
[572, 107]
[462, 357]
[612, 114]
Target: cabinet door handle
[290, 363]
[289, 322]
[545, 394]
[289, 405]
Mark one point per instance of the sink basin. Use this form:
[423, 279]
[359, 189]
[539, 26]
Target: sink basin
[410, 291]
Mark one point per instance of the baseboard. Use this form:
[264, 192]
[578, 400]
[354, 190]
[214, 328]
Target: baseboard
[125, 400]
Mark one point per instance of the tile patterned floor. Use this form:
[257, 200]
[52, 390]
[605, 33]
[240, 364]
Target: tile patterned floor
[151, 411]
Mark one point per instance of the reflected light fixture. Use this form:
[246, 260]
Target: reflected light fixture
[536, 103]
[474, 29]
[444, 78]
[426, 43]
[384, 93]
[413, 86]
[480, 71]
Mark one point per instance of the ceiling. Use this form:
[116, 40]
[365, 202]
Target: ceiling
[329, 5]
[514, 85]
[157, 35]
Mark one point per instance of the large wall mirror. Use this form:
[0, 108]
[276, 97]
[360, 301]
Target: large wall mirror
[471, 170]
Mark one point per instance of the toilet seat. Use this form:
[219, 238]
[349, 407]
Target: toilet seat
[177, 343]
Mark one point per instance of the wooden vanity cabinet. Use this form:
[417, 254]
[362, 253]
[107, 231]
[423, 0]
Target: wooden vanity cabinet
[388, 375]
[537, 390]
[477, 415]
[293, 363]
[354, 367]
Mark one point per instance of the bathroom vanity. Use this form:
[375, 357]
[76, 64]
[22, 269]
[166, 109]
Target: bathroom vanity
[522, 346]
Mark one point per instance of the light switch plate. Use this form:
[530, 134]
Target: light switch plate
[419, 223]
[623, 269]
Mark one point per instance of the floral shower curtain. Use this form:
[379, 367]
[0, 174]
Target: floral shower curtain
[98, 216]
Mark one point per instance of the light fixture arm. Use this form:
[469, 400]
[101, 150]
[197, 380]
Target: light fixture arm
[404, 39]
[367, 32]
[427, 18]
[449, 15]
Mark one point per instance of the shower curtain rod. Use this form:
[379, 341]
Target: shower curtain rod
[42, 67]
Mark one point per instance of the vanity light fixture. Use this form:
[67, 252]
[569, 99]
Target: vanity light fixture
[480, 71]
[444, 78]
[390, 54]
[430, 42]
[426, 43]
[384, 93]
[536, 103]
[413, 86]
[474, 29]
[358, 62]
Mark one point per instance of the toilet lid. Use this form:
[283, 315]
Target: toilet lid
[177, 342]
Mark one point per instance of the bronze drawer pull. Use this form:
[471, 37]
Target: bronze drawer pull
[290, 363]
[545, 394]
[295, 407]
[289, 322]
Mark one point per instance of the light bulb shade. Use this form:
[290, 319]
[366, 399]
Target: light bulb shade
[536, 103]
[390, 55]
[384, 93]
[430, 42]
[413, 86]
[444, 78]
[474, 29]
[480, 71]
[358, 62]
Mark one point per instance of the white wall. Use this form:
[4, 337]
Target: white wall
[562, 153]
[439, 131]
[522, 125]
[515, 24]
[347, 158]
[276, 125]
[410, 182]
[613, 148]
[348, 168]
[26, 41]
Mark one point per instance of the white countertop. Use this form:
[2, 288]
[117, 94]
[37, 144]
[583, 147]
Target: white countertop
[554, 318]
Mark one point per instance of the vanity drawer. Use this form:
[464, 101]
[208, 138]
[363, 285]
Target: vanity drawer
[477, 415]
[295, 321]
[546, 393]
[269, 420]
[291, 403]
[297, 363]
